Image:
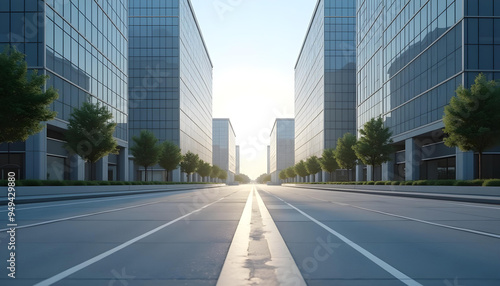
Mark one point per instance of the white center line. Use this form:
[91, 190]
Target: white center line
[234, 271]
[384, 265]
[68, 272]
[287, 271]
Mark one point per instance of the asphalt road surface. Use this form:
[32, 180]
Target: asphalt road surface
[253, 235]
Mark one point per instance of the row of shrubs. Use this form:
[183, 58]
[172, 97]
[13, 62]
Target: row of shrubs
[484, 183]
[88, 183]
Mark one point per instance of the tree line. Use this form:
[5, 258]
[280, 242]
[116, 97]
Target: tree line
[148, 152]
[373, 148]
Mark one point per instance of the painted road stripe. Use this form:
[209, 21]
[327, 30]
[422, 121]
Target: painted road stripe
[89, 201]
[384, 265]
[286, 270]
[84, 215]
[72, 270]
[234, 271]
[425, 221]
[489, 234]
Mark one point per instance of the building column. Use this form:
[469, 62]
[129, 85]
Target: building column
[176, 175]
[359, 173]
[388, 169]
[101, 166]
[413, 158]
[464, 165]
[131, 170]
[123, 169]
[325, 176]
[36, 156]
[369, 170]
[77, 168]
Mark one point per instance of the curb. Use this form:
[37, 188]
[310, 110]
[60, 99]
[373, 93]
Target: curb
[55, 198]
[432, 196]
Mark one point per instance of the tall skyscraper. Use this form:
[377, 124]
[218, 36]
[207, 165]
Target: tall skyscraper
[412, 55]
[237, 159]
[325, 80]
[82, 46]
[224, 147]
[282, 147]
[170, 78]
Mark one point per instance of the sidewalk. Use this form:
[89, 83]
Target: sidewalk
[484, 195]
[25, 195]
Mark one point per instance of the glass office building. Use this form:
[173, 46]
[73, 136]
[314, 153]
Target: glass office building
[282, 147]
[170, 79]
[325, 80]
[82, 47]
[224, 146]
[412, 55]
[237, 159]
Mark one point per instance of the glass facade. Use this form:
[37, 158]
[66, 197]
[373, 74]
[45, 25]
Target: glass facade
[170, 76]
[82, 46]
[325, 75]
[412, 55]
[282, 147]
[224, 146]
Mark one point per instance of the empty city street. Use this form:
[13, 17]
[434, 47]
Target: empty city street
[254, 235]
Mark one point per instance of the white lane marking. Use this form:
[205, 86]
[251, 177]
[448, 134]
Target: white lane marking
[84, 215]
[352, 192]
[474, 206]
[414, 219]
[426, 222]
[234, 271]
[88, 201]
[287, 272]
[70, 271]
[384, 265]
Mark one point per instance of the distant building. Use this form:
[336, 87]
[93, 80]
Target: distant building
[268, 159]
[170, 79]
[282, 147]
[224, 147]
[411, 59]
[325, 80]
[82, 47]
[237, 159]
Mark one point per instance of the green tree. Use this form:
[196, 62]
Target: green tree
[328, 162]
[282, 175]
[24, 104]
[472, 118]
[313, 166]
[242, 179]
[267, 178]
[215, 172]
[170, 156]
[145, 150]
[189, 163]
[264, 178]
[344, 153]
[374, 146]
[204, 169]
[290, 172]
[222, 175]
[300, 169]
[90, 133]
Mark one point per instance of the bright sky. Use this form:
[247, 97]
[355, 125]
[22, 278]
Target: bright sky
[254, 45]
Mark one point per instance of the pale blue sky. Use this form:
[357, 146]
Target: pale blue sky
[254, 45]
